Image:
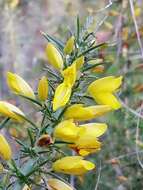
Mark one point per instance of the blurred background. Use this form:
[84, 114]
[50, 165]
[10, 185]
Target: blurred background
[119, 22]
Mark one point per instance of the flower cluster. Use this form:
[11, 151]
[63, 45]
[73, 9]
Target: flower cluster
[66, 111]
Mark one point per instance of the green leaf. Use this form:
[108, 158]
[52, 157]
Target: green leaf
[4, 122]
[92, 48]
[30, 137]
[78, 28]
[32, 100]
[28, 120]
[91, 66]
[53, 40]
[21, 143]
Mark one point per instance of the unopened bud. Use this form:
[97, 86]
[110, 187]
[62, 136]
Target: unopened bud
[45, 140]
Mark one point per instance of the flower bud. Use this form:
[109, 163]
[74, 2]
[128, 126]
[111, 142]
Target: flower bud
[9, 110]
[57, 184]
[54, 57]
[69, 47]
[43, 89]
[18, 85]
[5, 150]
[44, 140]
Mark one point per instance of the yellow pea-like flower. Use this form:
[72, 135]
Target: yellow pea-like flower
[62, 95]
[66, 131]
[107, 99]
[86, 145]
[9, 110]
[87, 141]
[102, 91]
[92, 129]
[69, 47]
[80, 113]
[57, 184]
[19, 86]
[43, 89]
[5, 150]
[106, 84]
[74, 165]
[70, 74]
[79, 62]
[54, 57]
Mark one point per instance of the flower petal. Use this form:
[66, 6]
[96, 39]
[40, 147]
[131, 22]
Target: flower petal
[43, 89]
[5, 150]
[107, 99]
[80, 113]
[106, 84]
[57, 184]
[19, 86]
[69, 47]
[10, 110]
[79, 62]
[74, 165]
[66, 131]
[70, 75]
[62, 96]
[92, 129]
[54, 57]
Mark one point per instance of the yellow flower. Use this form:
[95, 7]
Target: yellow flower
[106, 84]
[92, 129]
[107, 99]
[57, 184]
[62, 95]
[54, 57]
[80, 113]
[102, 91]
[79, 62]
[69, 74]
[87, 141]
[19, 86]
[69, 47]
[86, 145]
[5, 150]
[74, 165]
[66, 131]
[43, 89]
[10, 110]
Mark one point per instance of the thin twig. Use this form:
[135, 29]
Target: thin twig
[131, 110]
[106, 7]
[101, 23]
[99, 175]
[137, 137]
[136, 26]
[126, 155]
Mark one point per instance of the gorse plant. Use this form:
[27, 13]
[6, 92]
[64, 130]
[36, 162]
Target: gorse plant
[68, 99]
